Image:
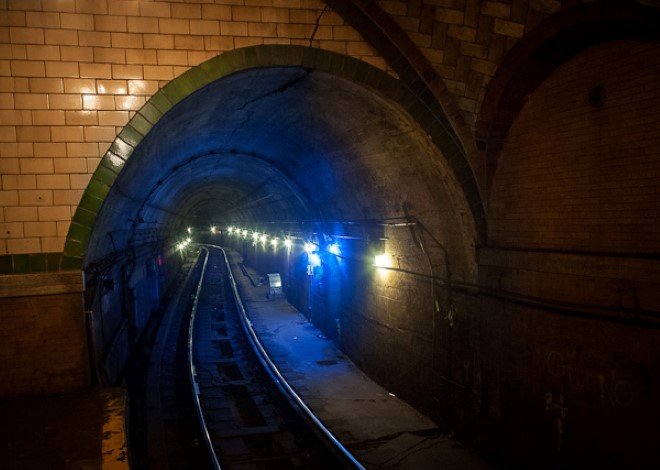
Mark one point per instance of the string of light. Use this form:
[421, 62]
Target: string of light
[383, 260]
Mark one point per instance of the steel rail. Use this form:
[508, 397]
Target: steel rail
[324, 433]
[193, 372]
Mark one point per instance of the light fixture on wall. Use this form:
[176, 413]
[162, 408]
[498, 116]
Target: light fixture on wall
[383, 261]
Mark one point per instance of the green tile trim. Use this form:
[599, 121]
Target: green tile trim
[69, 263]
[296, 54]
[21, 264]
[215, 68]
[79, 232]
[141, 124]
[236, 59]
[310, 59]
[30, 263]
[130, 135]
[38, 263]
[84, 217]
[175, 91]
[265, 56]
[90, 202]
[121, 149]
[53, 261]
[252, 57]
[6, 264]
[196, 78]
[150, 112]
[160, 101]
[74, 248]
[105, 175]
[113, 162]
[97, 188]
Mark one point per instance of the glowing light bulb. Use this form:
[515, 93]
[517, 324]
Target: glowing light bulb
[230, 230]
[213, 230]
[255, 235]
[334, 249]
[288, 243]
[314, 259]
[263, 239]
[189, 229]
[310, 247]
[383, 260]
[274, 242]
[245, 232]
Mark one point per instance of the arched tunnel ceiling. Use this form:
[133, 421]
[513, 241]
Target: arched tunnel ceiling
[281, 143]
[224, 186]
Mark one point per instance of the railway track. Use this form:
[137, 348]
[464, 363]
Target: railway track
[249, 417]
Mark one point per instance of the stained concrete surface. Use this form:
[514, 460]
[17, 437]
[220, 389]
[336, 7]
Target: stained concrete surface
[381, 430]
[84, 431]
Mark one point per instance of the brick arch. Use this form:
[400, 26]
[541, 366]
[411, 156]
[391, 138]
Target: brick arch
[243, 59]
[414, 70]
[544, 49]
[404, 56]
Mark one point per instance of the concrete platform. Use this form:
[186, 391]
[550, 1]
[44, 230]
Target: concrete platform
[378, 428]
[84, 431]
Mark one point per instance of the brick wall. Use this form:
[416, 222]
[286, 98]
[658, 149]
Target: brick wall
[72, 73]
[578, 177]
[42, 341]
[573, 219]
[465, 40]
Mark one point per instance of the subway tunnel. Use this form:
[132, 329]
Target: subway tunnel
[282, 146]
[461, 200]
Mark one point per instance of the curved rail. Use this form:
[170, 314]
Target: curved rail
[193, 372]
[324, 433]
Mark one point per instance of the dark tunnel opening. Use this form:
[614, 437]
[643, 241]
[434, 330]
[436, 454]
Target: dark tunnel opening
[305, 156]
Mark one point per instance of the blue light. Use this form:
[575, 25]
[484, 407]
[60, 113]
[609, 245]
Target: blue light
[310, 247]
[334, 249]
[314, 259]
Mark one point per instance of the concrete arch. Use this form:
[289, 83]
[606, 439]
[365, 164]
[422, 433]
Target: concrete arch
[430, 118]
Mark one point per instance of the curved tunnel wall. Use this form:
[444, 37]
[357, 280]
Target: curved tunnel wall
[297, 149]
